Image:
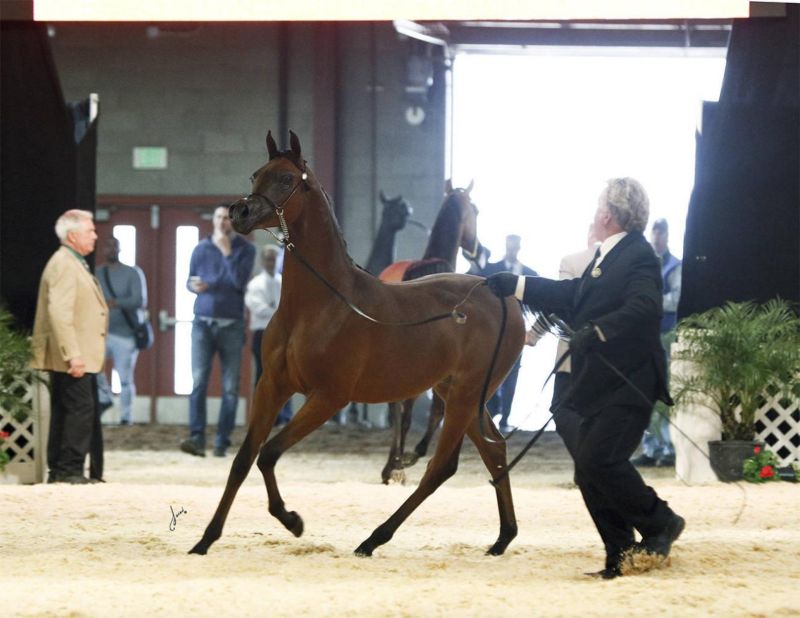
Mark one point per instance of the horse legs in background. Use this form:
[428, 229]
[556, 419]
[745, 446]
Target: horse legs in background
[400, 413]
[493, 454]
[311, 416]
[434, 419]
[263, 411]
[442, 466]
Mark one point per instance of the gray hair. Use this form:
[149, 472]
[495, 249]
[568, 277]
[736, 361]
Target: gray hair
[269, 249]
[71, 221]
[628, 203]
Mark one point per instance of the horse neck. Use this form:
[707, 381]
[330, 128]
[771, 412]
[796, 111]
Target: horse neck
[319, 242]
[445, 235]
[382, 253]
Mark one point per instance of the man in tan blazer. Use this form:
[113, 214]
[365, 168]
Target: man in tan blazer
[69, 336]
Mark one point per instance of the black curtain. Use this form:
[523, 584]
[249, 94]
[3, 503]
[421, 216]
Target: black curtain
[743, 225]
[43, 170]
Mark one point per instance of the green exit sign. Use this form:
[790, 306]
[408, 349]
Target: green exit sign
[149, 158]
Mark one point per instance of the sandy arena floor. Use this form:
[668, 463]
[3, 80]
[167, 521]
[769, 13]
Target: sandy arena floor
[108, 550]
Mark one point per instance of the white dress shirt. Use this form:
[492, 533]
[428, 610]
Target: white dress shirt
[261, 298]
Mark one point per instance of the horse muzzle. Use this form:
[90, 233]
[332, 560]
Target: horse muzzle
[247, 212]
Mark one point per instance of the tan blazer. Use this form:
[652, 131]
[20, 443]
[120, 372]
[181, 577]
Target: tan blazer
[71, 316]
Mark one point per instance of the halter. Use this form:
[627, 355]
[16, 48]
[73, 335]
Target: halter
[283, 238]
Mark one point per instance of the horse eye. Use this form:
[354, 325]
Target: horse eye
[286, 179]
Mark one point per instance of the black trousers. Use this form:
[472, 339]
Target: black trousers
[72, 421]
[566, 417]
[614, 492]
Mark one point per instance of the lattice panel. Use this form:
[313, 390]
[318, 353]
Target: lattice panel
[778, 424]
[25, 444]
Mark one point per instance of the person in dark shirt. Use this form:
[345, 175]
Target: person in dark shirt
[219, 270]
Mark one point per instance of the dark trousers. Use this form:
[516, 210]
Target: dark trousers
[500, 402]
[615, 494]
[96, 449]
[72, 419]
[566, 418]
[285, 414]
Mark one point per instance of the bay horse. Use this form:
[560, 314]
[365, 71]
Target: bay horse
[323, 342]
[456, 227]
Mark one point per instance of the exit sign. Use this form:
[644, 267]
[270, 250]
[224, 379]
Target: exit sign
[149, 158]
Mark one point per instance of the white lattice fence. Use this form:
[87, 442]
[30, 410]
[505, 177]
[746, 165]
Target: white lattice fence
[26, 444]
[778, 424]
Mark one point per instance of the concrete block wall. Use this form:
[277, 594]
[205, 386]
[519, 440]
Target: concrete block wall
[210, 92]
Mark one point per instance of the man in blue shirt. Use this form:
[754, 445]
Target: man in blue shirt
[220, 267]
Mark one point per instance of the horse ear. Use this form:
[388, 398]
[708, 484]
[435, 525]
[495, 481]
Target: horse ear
[448, 186]
[272, 147]
[471, 185]
[383, 197]
[294, 143]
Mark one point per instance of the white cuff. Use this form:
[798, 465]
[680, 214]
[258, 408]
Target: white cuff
[520, 291]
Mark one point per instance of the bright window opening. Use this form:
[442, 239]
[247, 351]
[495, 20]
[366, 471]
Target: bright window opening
[126, 235]
[541, 134]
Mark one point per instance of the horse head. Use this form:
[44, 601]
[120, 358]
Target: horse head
[468, 231]
[396, 212]
[273, 186]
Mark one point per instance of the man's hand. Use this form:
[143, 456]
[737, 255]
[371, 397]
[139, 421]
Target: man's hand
[76, 367]
[583, 339]
[502, 284]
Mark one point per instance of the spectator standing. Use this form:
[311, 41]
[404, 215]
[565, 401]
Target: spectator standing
[500, 403]
[657, 448]
[219, 269]
[125, 291]
[261, 298]
[69, 339]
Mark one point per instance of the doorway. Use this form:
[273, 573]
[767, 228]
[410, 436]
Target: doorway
[158, 234]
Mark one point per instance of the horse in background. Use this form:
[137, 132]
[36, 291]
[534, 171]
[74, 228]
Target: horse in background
[339, 335]
[456, 227]
[396, 213]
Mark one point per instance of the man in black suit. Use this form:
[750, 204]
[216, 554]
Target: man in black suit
[615, 311]
[501, 401]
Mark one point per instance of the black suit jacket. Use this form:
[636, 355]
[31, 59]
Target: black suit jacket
[625, 303]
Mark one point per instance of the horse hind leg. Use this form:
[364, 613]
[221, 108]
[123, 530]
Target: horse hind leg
[311, 416]
[493, 454]
[442, 466]
[264, 410]
[434, 419]
[400, 412]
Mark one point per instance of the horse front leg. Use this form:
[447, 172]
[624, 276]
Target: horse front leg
[311, 416]
[400, 412]
[442, 466]
[267, 401]
[434, 419]
[494, 458]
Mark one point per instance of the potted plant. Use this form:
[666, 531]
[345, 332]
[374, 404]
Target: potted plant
[737, 352]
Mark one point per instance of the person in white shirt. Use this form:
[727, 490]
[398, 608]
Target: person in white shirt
[261, 298]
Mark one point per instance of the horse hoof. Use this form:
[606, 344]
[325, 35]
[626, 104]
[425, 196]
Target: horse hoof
[200, 549]
[397, 476]
[498, 549]
[363, 550]
[296, 527]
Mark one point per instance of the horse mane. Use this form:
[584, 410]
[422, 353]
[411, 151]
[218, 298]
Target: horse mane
[332, 211]
[444, 233]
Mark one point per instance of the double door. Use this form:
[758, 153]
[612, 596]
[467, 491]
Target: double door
[158, 234]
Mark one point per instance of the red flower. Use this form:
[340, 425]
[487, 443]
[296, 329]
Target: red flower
[757, 450]
[3, 435]
[766, 472]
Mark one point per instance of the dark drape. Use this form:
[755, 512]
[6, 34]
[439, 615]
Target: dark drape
[44, 172]
[743, 225]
